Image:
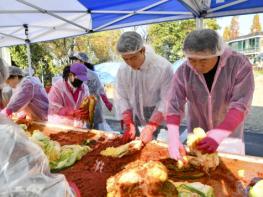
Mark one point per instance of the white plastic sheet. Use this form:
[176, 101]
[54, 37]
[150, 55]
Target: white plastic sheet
[24, 169]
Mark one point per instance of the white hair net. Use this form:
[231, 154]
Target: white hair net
[204, 43]
[3, 71]
[29, 71]
[13, 70]
[80, 56]
[130, 42]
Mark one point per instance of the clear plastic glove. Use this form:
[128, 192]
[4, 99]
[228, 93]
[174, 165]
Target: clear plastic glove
[107, 102]
[175, 147]
[214, 137]
[147, 133]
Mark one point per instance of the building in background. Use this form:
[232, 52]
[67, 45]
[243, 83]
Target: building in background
[250, 45]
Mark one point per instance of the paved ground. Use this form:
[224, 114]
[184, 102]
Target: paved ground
[254, 143]
[254, 121]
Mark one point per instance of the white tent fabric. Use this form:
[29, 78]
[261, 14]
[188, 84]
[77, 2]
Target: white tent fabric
[41, 20]
[46, 20]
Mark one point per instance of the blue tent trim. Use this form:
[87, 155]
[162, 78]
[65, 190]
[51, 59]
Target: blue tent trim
[110, 14]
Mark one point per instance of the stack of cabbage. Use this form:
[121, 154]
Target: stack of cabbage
[59, 156]
[150, 178]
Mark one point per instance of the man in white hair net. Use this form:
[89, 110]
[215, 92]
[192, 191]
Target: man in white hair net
[218, 85]
[142, 83]
[24, 168]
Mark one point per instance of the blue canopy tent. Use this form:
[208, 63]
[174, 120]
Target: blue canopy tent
[29, 21]
[42, 20]
[110, 14]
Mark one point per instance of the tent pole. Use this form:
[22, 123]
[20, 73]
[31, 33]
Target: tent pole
[29, 58]
[27, 41]
[199, 23]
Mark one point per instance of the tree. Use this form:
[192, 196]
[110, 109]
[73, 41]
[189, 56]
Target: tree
[49, 58]
[211, 24]
[59, 50]
[100, 47]
[167, 38]
[40, 57]
[227, 34]
[234, 27]
[256, 27]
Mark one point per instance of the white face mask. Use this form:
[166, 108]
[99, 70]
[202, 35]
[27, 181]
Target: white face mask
[5, 86]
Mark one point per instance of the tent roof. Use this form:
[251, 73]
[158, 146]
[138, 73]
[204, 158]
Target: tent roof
[52, 19]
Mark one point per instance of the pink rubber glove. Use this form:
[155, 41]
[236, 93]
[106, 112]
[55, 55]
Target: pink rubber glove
[129, 128]
[107, 102]
[175, 147]
[214, 137]
[147, 133]
[7, 112]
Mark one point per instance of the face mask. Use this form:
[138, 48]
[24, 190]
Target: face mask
[77, 83]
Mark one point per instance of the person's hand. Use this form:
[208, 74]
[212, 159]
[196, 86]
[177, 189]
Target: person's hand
[211, 142]
[175, 147]
[147, 133]
[21, 115]
[129, 133]
[80, 114]
[7, 112]
[176, 150]
[129, 128]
